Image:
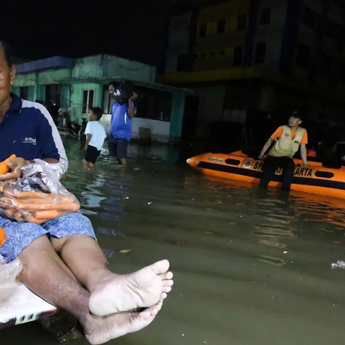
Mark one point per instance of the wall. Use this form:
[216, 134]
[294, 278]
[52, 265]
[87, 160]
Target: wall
[38, 81]
[115, 67]
[272, 33]
[216, 50]
[42, 78]
[210, 107]
[179, 40]
[77, 98]
[158, 131]
[177, 114]
[25, 80]
[88, 67]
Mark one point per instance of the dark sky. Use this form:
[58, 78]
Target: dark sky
[133, 29]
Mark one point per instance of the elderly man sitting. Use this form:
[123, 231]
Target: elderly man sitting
[62, 261]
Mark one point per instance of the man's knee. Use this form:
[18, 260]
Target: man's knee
[36, 248]
[59, 243]
[34, 256]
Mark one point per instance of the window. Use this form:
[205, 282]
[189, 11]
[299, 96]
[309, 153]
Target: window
[303, 56]
[181, 62]
[222, 52]
[24, 92]
[202, 30]
[87, 100]
[221, 26]
[242, 22]
[309, 17]
[260, 53]
[265, 16]
[238, 51]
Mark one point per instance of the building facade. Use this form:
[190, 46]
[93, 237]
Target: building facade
[79, 84]
[253, 59]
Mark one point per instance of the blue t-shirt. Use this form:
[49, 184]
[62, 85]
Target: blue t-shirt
[121, 122]
[26, 132]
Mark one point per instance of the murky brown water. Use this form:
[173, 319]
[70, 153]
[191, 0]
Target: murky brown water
[249, 269]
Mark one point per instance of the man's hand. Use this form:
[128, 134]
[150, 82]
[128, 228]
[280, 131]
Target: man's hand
[15, 165]
[132, 111]
[261, 157]
[134, 97]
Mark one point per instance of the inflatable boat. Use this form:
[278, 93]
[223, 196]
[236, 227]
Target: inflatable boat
[237, 166]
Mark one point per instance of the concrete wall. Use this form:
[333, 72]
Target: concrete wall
[88, 67]
[179, 39]
[115, 67]
[42, 78]
[25, 80]
[144, 129]
[272, 33]
[37, 83]
[211, 104]
[53, 77]
[77, 99]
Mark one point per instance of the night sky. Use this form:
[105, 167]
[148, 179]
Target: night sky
[133, 29]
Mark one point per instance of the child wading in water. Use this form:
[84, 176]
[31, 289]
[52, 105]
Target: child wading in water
[95, 136]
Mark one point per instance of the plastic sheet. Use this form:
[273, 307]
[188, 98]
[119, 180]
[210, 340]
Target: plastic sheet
[339, 264]
[9, 272]
[8, 275]
[38, 196]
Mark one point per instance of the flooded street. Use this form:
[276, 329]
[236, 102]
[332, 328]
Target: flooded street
[249, 269]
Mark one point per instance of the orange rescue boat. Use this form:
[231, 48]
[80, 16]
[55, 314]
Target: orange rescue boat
[237, 166]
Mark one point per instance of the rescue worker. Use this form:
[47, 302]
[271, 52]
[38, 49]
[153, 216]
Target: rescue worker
[287, 141]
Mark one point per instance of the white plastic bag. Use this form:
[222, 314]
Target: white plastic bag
[38, 196]
[8, 275]
[338, 264]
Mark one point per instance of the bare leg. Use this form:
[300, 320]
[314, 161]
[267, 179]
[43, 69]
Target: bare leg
[88, 165]
[122, 162]
[111, 293]
[47, 276]
[118, 325]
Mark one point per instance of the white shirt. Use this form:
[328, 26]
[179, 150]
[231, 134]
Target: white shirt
[98, 134]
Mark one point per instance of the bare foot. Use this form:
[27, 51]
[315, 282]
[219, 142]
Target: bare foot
[141, 289]
[100, 330]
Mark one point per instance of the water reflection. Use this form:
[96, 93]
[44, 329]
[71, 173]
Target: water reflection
[250, 268]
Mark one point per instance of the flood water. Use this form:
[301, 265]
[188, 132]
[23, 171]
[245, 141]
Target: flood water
[250, 269]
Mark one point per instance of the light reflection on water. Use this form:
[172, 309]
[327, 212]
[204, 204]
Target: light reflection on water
[250, 268]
